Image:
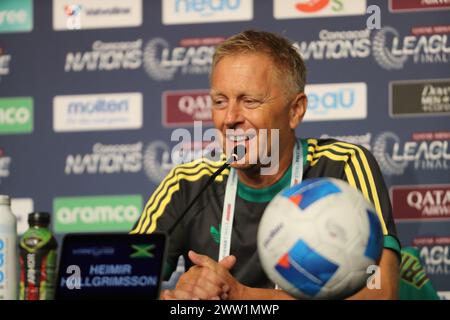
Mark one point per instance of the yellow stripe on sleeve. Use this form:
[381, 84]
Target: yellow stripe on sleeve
[182, 176]
[372, 185]
[162, 192]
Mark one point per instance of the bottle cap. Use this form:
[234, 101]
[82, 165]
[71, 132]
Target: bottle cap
[39, 218]
[4, 199]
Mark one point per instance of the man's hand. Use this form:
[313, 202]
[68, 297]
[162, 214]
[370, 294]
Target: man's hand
[219, 274]
[207, 279]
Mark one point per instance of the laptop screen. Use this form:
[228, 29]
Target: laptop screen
[110, 266]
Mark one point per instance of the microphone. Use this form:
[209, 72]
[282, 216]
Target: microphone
[238, 153]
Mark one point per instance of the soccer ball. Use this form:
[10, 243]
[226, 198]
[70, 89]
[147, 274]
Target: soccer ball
[317, 239]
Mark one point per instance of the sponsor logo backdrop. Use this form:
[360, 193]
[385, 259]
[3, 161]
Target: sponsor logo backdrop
[90, 92]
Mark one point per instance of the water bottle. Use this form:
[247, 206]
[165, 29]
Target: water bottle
[8, 250]
[37, 259]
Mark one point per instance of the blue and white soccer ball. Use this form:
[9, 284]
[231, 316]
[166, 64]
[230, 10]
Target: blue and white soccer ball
[317, 239]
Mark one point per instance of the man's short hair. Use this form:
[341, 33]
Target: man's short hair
[284, 55]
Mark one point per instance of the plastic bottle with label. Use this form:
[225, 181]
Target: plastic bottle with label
[8, 250]
[37, 259]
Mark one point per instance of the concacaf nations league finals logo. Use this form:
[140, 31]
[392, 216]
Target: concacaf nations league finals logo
[381, 53]
[425, 45]
[426, 151]
[161, 61]
[387, 164]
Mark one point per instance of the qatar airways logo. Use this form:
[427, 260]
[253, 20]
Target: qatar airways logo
[424, 151]
[182, 108]
[421, 202]
[425, 45]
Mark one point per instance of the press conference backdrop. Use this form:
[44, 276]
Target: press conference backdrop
[91, 90]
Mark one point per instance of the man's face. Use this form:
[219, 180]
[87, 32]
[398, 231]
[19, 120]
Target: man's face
[248, 94]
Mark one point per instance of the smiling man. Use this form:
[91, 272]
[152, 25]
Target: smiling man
[257, 92]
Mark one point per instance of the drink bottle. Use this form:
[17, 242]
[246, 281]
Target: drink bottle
[37, 259]
[8, 250]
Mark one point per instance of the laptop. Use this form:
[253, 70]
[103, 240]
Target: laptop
[110, 266]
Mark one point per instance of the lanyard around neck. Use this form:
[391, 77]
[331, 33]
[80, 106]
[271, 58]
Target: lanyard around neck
[230, 198]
